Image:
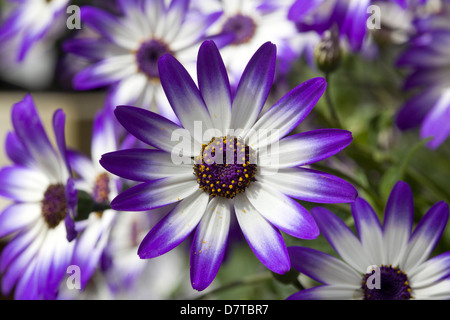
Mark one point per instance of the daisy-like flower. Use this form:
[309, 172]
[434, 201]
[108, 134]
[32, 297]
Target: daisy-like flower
[100, 187]
[33, 21]
[348, 16]
[246, 25]
[44, 200]
[428, 58]
[242, 178]
[125, 49]
[387, 262]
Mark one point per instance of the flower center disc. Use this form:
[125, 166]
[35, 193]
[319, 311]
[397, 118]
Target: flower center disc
[225, 167]
[54, 205]
[243, 27]
[147, 57]
[394, 285]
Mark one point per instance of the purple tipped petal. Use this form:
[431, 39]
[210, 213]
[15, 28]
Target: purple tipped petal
[146, 164]
[283, 212]
[308, 147]
[426, 235]
[22, 184]
[59, 120]
[325, 293]
[309, 185]
[301, 8]
[342, 239]
[254, 87]
[322, 267]
[431, 271]
[155, 193]
[265, 241]
[369, 230]
[16, 151]
[183, 94]
[398, 221]
[214, 85]
[436, 122]
[208, 247]
[29, 130]
[175, 226]
[153, 129]
[290, 110]
[17, 216]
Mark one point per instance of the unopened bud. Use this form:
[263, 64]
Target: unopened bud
[327, 53]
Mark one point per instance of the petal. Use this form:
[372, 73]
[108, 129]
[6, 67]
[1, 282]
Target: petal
[431, 271]
[283, 212]
[104, 137]
[28, 127]
[341, 239]
[327, 293]
[214, 85]
[305, 148]
[425, 236]
[288, 112]
[175, 226]
[174, 18]
[369, 231]
[105, 72]
[309, 185]
[155, 193]
[398, 221]
[183, 95]
[59, 120]
[265, 241]
[435, 123]
[438, 291]
[17, 152]
[18, 216]
[93, 49]
[323, 267]
[82, 166]
[253, 88]
[143, 164]
[156, 130]
[22, 184]
[208, 246]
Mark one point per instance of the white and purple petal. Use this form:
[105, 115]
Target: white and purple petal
[209, 243]
[263, 238]
[175, 226]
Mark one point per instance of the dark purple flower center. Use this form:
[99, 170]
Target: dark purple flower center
[147, 57]
[101, 190]
[225, 167]
[393, 285]
[243, 27]
[54, 205]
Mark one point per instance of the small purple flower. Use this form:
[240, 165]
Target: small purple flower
[428, 59]
[102, 187]
[207, 188]
[32, 21]
[39, 184]
[387, 262]
[349, 16]
[125, 49]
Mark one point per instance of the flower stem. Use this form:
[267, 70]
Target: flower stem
[330, 104]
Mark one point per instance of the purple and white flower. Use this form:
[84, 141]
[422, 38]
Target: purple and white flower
[246, 25]
[102, 187]
[39, 183]
[428, 58]
[206, 192]
[348, 16]
[33, 21]
[125, 49]
[387, 262]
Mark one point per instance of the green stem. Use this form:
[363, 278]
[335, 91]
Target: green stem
[331, 107]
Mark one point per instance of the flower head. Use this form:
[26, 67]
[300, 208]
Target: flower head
[32, 21]
[125, 51]
[428, 59]
[44, 200]
[223, 164]
[387, 262]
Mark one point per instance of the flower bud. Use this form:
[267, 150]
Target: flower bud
[327, 53]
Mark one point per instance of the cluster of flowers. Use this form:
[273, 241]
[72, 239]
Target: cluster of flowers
[202, 71]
